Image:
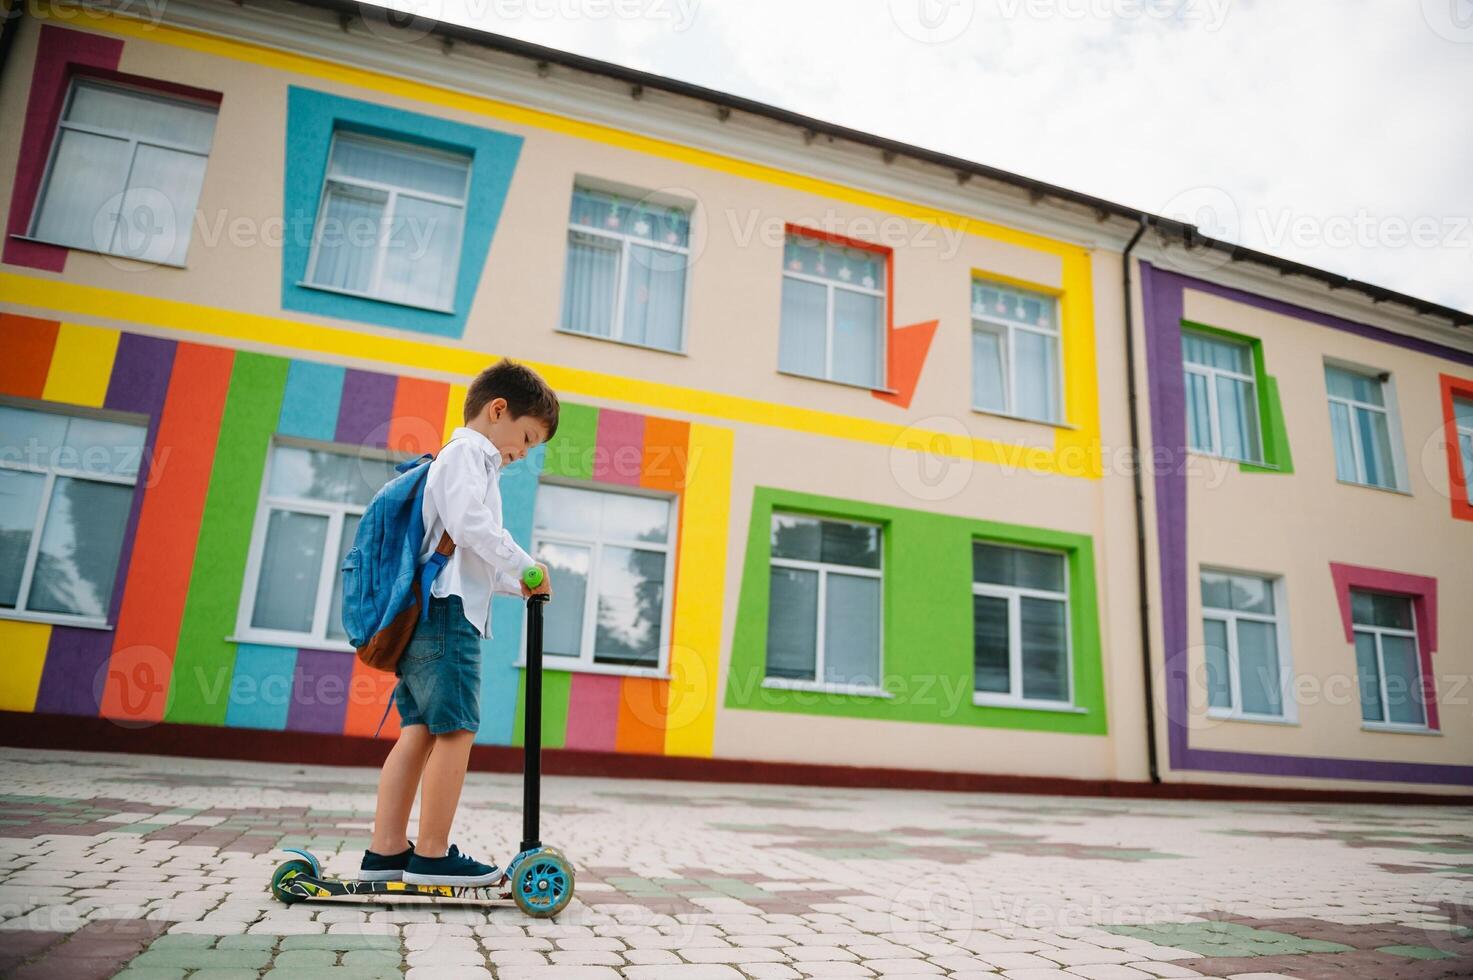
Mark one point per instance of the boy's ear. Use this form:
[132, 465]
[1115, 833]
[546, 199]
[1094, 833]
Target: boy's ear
[494, 408]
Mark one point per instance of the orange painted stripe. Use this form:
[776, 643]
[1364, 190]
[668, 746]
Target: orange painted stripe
[29, 343]
[369, 692]
[418, 416]
[168, 528]
[665, 462]
[643, 705]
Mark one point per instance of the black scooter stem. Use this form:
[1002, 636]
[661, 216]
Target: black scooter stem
[532, 736]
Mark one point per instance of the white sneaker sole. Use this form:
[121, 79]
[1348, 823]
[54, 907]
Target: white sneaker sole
[455, 881]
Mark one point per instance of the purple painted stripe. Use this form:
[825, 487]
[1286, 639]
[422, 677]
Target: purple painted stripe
[366, 407]
[619, 454]
[320, 686]
[75, 671]
[1162, 314]
[73, 675]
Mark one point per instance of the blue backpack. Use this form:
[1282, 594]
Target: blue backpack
[385, 588]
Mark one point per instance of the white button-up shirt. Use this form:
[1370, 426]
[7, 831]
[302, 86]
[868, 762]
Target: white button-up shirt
[463, 496]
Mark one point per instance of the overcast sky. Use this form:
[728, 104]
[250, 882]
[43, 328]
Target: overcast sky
[1335, 132]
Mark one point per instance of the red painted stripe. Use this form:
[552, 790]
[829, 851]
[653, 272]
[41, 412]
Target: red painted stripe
[908, 349]
[29, 343]
[418, 419]
[168, 529]
[593, 712]
[1458, 490]
[619, 455]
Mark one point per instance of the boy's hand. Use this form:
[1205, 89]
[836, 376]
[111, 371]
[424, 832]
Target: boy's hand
[544, 589]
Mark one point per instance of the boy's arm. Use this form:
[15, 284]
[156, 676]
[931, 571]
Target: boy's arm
[457, 488]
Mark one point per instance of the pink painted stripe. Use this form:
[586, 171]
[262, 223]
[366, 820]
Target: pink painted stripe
[1422, 589]
[619, 456]
[593, 712]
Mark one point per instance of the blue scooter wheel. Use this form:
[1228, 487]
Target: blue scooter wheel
[543, 885]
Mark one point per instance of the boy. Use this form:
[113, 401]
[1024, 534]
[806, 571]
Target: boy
[509, 410]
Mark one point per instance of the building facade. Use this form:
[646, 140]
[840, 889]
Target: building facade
[844, 473]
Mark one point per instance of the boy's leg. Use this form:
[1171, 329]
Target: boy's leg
[396, 786]
[444, 775]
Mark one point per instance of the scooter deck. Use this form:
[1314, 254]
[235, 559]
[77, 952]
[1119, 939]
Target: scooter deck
[308, 886]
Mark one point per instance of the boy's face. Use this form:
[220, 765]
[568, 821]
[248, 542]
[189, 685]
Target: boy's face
[514, 437]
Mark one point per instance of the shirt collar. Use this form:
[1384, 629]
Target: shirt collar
[486, 446]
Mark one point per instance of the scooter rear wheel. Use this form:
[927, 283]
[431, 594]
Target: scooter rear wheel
[543, 885]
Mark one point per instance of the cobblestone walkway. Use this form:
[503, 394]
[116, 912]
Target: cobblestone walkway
[156, 869]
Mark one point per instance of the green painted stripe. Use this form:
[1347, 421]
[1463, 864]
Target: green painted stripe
[556, 687]
[570, 453]
[205, 660]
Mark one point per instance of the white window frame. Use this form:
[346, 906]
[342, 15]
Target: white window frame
[1377, 632]
[386, 223]
[1014, 594]
[823, 569]
[335, 513]
[1393, 426]
[50, 474]
[585, 662]
[1007, 328]
[63, 124]
[626, 241]
[1213, 410]
[1461, 430]
[882, 348]
[1279, 619]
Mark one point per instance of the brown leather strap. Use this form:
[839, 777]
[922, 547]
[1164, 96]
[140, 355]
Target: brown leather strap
[446, 547]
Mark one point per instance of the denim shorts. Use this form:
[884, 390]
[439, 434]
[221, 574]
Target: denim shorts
[440, 672]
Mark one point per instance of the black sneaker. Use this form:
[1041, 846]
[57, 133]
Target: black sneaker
[452, 869]
[385, 867]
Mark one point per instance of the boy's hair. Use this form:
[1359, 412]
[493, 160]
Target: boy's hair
[524, 390]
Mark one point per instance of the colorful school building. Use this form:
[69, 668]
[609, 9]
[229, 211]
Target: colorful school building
[844, 486]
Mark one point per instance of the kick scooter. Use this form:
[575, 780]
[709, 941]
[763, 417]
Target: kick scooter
[539, 879]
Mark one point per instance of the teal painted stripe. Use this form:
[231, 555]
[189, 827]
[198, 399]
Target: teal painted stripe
[261, 690]
[500, 679]
[313, 395]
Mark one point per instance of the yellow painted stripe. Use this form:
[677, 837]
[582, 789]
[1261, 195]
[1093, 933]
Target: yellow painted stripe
[454, 410]
[695, 649]
[402, 355]
[81, 365]
[25, 654]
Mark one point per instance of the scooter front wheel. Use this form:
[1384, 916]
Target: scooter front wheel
[285, 873]
[543, 885]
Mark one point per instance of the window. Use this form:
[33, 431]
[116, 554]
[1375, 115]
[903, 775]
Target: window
[823, 622]
[627, 263]
[1386, 659]
[1361, 426]
[1020, 626]
[833, 312]
[1246, 672]
[66, 487]
[610, 558]
[125, 173]
[312, 501]
[1222, 397]
[390, 223]
[1463, 422]
[1015, 352]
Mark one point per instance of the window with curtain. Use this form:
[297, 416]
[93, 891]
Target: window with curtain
[610, 556]
[1463, 421]
[66, 488]
[311, 502]
[1360, 423]
[833, 312]
[823, 619]
[1015, 352]
[125, 173]
[1020, 626]
[627, 266]
[1388, 665]
[1240, 629]
[390, 223]
[1222, 397]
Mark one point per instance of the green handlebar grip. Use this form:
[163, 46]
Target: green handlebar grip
[532, 577]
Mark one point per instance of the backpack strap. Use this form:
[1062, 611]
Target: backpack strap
[431, 569]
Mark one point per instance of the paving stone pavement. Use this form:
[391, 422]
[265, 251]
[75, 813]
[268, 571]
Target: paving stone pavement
[151, 868]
